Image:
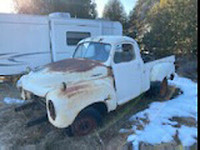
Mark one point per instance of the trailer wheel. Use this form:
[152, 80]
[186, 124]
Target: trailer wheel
[86, 122]
[163, 88]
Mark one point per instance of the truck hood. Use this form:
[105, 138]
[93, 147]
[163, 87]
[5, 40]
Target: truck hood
[70, 71]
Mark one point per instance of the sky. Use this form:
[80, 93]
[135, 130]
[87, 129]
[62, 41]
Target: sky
[128, 5]
[6, 6]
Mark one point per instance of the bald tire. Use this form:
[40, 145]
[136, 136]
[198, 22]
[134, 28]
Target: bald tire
[163, 88]
[86, 122]
[158, 89]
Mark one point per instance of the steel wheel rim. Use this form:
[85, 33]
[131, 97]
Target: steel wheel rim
[84, 126]
[163, 89]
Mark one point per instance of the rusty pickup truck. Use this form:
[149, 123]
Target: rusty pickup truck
[103, 73]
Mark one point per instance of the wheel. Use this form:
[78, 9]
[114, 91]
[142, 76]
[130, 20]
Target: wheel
[158, 89]
[154, 90]
[164, 88]
[86, 122]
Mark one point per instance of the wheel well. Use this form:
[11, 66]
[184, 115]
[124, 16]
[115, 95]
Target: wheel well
[100, 107]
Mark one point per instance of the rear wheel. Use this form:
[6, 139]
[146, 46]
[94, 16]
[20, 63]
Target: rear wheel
[163, 88]
[86, 122]
[158, 89]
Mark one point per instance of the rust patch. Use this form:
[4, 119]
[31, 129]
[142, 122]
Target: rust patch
[74, 93]
[110, 72]
[73, 90]
[73, 65]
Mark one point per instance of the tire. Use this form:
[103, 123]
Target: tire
[158, 89]
[86, 122]
[154, 90]
[163, 88]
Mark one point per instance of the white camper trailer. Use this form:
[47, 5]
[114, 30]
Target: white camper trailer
[31, 41]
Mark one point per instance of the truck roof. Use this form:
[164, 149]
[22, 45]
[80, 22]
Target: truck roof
[108, 39]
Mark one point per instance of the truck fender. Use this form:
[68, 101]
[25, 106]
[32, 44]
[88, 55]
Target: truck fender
[162, 70]
[63, 107]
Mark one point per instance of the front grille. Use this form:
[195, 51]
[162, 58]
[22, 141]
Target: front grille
[40, 100]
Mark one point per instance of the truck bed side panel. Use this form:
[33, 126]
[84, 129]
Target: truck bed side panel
[167, 62]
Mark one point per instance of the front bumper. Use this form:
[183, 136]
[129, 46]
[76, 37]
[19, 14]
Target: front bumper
[26, 95]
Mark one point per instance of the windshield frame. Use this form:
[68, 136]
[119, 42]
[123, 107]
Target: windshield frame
[73, 56]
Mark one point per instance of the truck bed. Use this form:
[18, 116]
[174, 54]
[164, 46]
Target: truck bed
[149, 57]
[170, 59]
[163, 63]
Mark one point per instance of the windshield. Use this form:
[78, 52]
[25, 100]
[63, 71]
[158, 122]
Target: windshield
[93, 51]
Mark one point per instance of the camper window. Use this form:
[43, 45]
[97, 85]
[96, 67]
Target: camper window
[74, 37]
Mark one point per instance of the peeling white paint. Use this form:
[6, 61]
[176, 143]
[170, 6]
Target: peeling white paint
[88, 81]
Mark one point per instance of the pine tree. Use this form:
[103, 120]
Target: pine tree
[165, 27]
[77, 8]
[114, 11]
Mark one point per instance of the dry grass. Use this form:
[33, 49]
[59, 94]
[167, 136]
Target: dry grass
[13, 131]
[15, 135]
[187, 121]
[187, 67]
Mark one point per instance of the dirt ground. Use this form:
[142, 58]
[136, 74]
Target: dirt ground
[15, 135]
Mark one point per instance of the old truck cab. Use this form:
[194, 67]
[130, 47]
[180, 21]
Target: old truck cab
[103, 73]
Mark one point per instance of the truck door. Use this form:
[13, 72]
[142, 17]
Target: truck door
[127, 72]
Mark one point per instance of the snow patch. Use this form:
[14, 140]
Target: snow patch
[160, 127]
[9, 100]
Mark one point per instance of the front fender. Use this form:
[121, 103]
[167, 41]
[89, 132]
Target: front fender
[162, 70]
[70, 101]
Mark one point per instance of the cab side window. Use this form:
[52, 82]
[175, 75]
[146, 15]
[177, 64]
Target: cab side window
[124, 53]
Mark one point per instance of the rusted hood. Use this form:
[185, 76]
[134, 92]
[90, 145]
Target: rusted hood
[69, 71]
[73, 65]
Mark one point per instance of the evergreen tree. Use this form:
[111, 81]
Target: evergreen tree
[166, 27]
[114, 11]
[77, 8]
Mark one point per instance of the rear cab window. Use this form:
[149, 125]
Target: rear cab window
[124, 53]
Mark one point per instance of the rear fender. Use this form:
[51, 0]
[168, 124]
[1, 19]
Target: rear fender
[162, 70]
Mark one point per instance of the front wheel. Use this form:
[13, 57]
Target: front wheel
[86, 122]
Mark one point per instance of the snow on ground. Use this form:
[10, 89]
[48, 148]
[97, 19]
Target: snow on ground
[9, 100]
[157, 123]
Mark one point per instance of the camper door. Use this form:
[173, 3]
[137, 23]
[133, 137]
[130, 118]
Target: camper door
[66, 33]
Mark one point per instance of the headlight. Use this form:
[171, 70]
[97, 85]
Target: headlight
[51, 110]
